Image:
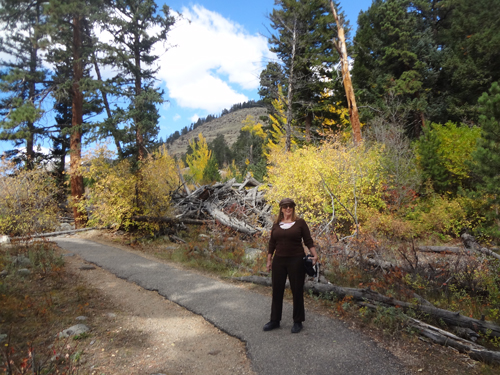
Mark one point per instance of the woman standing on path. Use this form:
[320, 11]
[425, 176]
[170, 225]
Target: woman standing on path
[285, 243]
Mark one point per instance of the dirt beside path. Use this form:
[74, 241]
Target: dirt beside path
[135, 331]
[139, 332]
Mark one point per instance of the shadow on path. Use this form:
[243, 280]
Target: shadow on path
[325, 345]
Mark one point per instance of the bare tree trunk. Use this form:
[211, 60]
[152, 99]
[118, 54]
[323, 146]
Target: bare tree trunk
[340, 45]
[77, 188]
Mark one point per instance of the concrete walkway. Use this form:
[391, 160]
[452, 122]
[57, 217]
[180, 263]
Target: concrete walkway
[325, 346]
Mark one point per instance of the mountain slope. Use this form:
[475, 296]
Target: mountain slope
[229, 125]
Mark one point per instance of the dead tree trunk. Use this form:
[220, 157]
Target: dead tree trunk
[340, 46]
[363, 295]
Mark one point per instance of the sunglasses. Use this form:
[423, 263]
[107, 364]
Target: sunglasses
[287, 206]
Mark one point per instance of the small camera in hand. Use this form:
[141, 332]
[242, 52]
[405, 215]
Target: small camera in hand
[311, 269]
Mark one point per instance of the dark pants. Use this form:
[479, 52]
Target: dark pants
[293, 267]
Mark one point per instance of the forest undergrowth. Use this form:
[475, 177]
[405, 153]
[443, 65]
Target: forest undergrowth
[38, 299]
[467, 283]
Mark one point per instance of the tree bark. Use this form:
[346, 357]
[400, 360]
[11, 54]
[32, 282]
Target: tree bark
[224, 219]
[169, 220]
[77, 188]
[346, 77]
[363, 295]
[441, 249]
[439, 336]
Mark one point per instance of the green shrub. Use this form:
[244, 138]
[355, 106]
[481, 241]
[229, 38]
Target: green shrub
[444, 153]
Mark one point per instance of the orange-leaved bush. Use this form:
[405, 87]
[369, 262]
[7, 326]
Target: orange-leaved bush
[322, 179]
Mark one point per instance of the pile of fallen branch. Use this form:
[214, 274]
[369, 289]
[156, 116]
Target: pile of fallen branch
[240, 206]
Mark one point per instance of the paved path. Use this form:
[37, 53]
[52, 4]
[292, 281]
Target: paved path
[325, 346]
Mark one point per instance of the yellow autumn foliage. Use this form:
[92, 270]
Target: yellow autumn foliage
[114, 193]
[198, 160]
[28, 202]
[253, 127]
[277, 135]
[352, 173]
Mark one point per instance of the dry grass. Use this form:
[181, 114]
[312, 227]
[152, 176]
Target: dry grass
[229, 125]
[37, 306]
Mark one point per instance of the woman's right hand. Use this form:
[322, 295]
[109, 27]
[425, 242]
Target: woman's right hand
[269, 264]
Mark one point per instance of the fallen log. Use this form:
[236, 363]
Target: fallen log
[176, 239]
[470, 243]
[249, 181]
[169, 220]
[442, 249]
[53, 234]
[449, 317]
[445, 338]
[486, 251]
[442, 337]
[363, 295]
[226, 220]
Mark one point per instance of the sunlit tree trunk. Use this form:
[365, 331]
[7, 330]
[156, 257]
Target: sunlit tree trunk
[340, 45]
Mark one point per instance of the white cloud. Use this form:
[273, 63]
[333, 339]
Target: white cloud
[212, 56]
[176, 117]
[194, 118]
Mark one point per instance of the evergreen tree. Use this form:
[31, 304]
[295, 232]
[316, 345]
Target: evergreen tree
[271, 78]
[220, 150]
[22, 78]
[396, 54]
[303, 43]
[248, 148]
[470, 43]
[487, 155]
[211, 171]
[436, 56]
[67, 22]
[137, 27]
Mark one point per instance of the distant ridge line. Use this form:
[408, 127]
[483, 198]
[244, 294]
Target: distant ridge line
[229, 125]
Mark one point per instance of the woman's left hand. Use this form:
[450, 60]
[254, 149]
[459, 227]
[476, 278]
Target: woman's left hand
[314, 259]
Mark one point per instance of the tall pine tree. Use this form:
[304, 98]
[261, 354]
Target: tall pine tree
[487, 155]
[396, 54]
[303, 44]
[137, 27]
[22, 77]
[68, 22]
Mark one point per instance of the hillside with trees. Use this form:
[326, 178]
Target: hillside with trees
[393, 163]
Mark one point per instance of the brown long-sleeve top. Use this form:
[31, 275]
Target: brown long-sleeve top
[288, 242]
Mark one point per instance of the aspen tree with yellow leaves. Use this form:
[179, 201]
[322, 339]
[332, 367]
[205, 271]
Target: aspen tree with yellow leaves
[352, 172]
[278, 134]
[198, 160]
[114, 192]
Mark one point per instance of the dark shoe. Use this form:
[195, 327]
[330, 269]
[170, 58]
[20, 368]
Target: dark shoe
[297, 327]
[271, 325]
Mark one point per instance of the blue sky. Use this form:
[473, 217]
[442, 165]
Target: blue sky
[214, 60]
